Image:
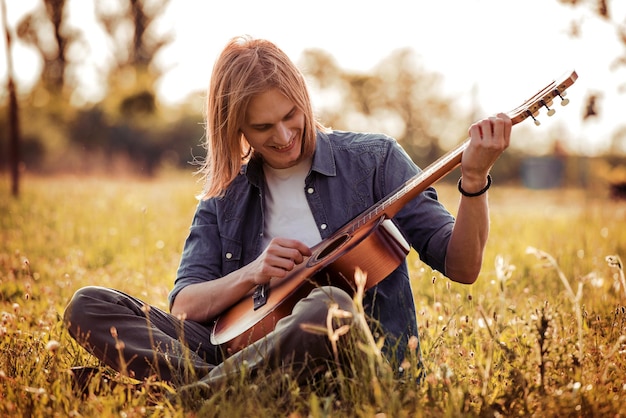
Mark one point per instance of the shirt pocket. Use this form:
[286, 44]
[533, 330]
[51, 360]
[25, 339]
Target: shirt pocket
[231, 255]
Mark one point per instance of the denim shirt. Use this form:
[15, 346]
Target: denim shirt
[350, 173]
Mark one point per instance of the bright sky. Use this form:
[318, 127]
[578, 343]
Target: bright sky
[505, 50]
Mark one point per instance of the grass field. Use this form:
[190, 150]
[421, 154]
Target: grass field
[542, 332]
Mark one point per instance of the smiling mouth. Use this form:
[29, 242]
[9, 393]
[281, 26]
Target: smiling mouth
[288, 145]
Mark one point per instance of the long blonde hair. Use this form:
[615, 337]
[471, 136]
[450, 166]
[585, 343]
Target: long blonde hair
[246, 67]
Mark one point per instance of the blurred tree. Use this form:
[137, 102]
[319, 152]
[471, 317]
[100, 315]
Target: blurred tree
[13, 110]
[397, 98]
[415, 96]
[591, 107]
[603, 9]
[45, 29]
[125, 125]
[47, 105]
[130, 24]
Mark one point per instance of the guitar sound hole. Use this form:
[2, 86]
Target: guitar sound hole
[331, 247]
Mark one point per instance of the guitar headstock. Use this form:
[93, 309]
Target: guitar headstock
[544, 99]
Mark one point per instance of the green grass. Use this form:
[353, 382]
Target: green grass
[516, 343]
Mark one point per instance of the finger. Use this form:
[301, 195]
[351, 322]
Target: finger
[278, 259]
[498, 130]
[292, 248]
[489, 129]
[272, 272]
[302, 248]
[508, 126]
[276, 267]
[285, 264]
[475, 132]
[502, 129]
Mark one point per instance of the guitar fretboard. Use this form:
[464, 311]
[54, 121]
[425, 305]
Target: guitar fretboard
[391, 204]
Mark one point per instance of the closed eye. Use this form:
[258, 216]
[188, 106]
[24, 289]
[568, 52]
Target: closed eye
[290, 115]
[261, 127]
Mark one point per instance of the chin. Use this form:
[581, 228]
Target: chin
[290, 161]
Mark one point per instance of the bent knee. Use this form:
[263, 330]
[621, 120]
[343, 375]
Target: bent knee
[320, 300]
[79, 307]
[332, 294]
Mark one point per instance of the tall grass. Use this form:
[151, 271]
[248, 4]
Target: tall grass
[542, 332]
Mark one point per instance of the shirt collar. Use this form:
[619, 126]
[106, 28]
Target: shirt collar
[324, 160]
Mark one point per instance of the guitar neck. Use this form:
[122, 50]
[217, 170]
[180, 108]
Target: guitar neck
[391, 204]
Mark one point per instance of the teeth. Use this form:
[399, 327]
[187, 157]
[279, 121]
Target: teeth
[284, 146]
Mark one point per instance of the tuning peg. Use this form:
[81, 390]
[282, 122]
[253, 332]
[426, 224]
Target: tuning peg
[550, 111]
[529, 113]
[564, 101]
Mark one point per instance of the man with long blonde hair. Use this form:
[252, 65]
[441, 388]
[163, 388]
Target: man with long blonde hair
[276, 183]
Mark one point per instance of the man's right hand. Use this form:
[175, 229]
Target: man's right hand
[278, 259]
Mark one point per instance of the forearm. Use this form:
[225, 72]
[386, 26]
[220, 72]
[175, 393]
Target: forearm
[469, 236]
[464, 257]
[204, 301]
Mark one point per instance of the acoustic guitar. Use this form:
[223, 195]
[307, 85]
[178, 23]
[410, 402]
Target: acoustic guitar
[371, 241]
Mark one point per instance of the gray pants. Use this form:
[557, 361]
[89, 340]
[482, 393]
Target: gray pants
[143, 341]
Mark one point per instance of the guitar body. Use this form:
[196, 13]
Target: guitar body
[377, 249]
[371, 242]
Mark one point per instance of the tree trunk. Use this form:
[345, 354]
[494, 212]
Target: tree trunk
[14, 123]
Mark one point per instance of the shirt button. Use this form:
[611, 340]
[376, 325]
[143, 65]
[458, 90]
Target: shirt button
[310, 190]
[323, 226]
[229, 256]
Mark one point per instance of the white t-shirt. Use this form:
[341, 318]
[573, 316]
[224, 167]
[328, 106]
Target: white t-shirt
[287, 212]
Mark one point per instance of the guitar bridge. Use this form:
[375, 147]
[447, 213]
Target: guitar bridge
[260, 295]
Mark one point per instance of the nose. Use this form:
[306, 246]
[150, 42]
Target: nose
[282, 134]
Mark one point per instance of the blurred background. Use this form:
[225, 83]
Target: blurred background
[116, 87]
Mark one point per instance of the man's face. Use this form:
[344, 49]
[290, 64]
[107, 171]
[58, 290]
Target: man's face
[274, 127]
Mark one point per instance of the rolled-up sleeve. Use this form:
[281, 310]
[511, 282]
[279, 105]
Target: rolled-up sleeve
[426, 223]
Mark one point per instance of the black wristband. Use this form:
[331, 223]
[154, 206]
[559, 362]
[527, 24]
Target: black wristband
[478, 193]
